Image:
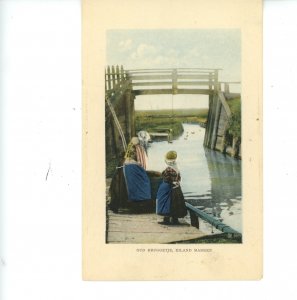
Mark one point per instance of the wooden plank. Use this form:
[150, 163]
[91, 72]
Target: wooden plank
[117, 74]
[216, 79]
[182, 76]
[166, 69]
[199, 69]
[165, 72]
[169, 92]
[225, 104]
[150, 77]
[152, 92]
[150, 72]
[156, 83]
[195, 91]
[109, 77]
[144, 70]
[113, 76]
[198, 83]
[130, 228]
[194, 71]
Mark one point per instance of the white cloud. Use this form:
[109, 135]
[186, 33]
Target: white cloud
[151, 56]
[125, 45]
[144, 50]
[147, 55]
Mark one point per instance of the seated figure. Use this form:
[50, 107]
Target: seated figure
[131, 183]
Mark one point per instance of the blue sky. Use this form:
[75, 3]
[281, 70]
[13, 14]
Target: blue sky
[135, 49]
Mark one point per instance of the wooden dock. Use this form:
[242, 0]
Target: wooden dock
[126, 227]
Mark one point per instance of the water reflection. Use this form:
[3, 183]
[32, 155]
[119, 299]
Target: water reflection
[211, 181]
[225, 176]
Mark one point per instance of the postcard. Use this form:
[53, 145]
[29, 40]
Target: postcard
[172, 140]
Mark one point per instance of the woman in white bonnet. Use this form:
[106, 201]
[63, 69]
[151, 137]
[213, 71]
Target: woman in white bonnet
[131, 182]
[136, 179]
[135, 153]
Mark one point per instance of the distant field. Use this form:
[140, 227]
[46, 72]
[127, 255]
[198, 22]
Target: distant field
[194, 112]
[155, 120]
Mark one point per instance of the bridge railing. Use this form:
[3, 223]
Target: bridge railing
[166, 81]
[116, 78]
[173, 81]
[196, 213]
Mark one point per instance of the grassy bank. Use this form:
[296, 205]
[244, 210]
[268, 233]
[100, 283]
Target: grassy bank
[234, 126]
[159, 120]
[235, 105]
[175, 112]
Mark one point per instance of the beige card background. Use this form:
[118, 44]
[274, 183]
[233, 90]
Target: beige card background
[123, 262]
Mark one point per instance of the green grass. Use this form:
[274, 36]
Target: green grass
[235, 105]
[202, 112]
[234, 126]
[159, 119]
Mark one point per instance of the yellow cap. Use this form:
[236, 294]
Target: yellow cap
[171, 155]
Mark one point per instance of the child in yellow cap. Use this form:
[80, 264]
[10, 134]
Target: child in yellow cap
[170, 199]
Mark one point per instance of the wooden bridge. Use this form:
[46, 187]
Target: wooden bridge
[122, 86]
[189, 81]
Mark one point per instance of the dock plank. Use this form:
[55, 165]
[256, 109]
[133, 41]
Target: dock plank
[144, 229]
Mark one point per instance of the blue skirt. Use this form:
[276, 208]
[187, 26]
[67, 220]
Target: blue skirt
[163, 199]
[137, 182]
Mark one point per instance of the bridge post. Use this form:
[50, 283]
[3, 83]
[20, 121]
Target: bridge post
[174, 82]
[212, 125]
[112, 137]
[227, 88]
[216, 80]
[210, 121]
[122, 77]
[129, 111]
[130, 114]
[133, 130]
[217, 113]
[127, 99]
[108, 78]
[117, 76]
[113, 77]
[210, 80]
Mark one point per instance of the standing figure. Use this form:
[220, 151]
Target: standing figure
[170, 199]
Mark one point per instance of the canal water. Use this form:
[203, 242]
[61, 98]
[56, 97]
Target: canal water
[211, 181]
